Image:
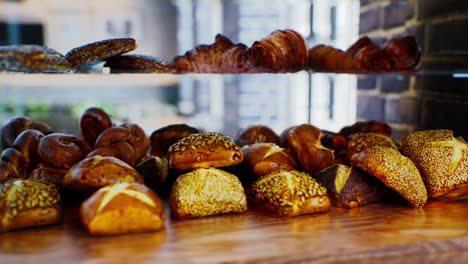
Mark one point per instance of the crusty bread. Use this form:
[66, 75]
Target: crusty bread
[28, 203]
[361, 141]
[290, 193]
[442, 160]
[123, 208]
[205, 192]
[204, 150]
[395, 171]
[95, 172]
[265, 158]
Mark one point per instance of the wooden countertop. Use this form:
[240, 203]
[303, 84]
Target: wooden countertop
[389, 233]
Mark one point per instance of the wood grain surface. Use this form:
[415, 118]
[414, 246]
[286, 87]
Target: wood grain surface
[379, 233]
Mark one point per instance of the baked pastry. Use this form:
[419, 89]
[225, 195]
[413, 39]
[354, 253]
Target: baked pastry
[442, 160]
[32, 59]
[281, 51]
[256, 134]
[28, 203]
[205, 192]
[99, 51]
[372, 126]
[119, 149]
[265, 158]
[123, 208]
[15, 126]
[350, 187]
[28, 143]
[304, 142]
[371, 56]
[204, 150]
[95, 172]
[325, 58]
[162, 138]
[290, 193]
[361, 141]
[404, 52]
[93, 122]
[155, 171]
[12, 165]
[47, 173]
[137, 64]
[395, 170]
[63, 150]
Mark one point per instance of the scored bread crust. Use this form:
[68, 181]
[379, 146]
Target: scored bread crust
[265, 158]
[123, 208]
[395, 171]
[442, 160]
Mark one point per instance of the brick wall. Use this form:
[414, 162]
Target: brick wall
[422, 101]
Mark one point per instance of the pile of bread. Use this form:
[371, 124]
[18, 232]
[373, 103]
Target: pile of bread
[121, 176]
[281, 51]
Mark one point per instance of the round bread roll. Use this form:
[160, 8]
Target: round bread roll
[93, 122]
[123, 208]
[265, 158]
[63, 150]
[162, 138]
[256, 134]
[361, 141]
[28, 203]
[395, 170]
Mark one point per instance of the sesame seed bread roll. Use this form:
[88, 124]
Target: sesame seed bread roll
[361, 141]
[395, 171]
[123, 208]
[442, 160]
[205, 192]
[290, 193]
[204, 150]
[95, 172]
[28, 203]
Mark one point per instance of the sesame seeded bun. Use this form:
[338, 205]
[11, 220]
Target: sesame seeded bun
[395, 171]
[290, 193]
[442, 160]
[205, 192]
[361, 141]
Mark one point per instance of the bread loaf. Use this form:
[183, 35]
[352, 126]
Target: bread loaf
[265, 158]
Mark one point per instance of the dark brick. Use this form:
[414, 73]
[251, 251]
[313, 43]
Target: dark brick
[369, 20]
[367, 82]
[443, 85]
[404, 110]
[393, 83]
[445, 115]
[370, 107]
[449, 38]
[435, 8]
[397, 12]
[418, 32]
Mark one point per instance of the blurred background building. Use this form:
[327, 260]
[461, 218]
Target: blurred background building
[222, 103]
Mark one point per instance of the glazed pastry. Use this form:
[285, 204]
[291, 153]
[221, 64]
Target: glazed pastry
[350, 187]
[361, 141]
[99, 51]
[205, 192]
[372, 126]
[324, 58]
[28, 143]
[395, 170]
[404, 52]
[442, 160]
[204, 150]
[371, 56]
[48, 173]
[12, 165]
[28, 203]
[15, 126]
[123, 208]
[32, 59]
[256, 134]
[121, 150]
[93, 122]
[162, 138]
[290, 193]
[265, 158]
[304, 142]
[95, 172]
[137, 64]
[62, 150]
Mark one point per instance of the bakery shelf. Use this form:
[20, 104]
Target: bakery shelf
[378, 233]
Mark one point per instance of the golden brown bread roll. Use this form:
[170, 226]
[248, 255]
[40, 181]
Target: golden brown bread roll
[204, 150]
[205, 192]
[256, 134]
[123, 208]
[360, 141]
[98, 51]
[350, 187]
[442, 160]
[135, 63]
[395, 170]
[28, 203]
[95, 172]
[329, 59]
[162, 138]
[265, 158]
[290, 193]
[32, 59]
